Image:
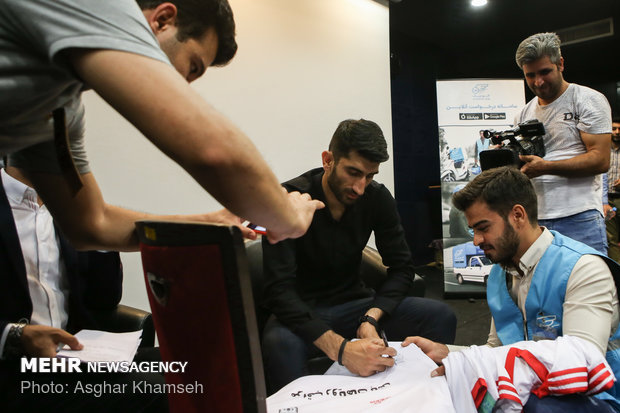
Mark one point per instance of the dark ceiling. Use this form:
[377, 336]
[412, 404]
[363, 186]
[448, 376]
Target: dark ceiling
[470, 42]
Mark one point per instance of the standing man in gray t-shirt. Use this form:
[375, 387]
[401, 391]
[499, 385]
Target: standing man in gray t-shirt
[51, 50]
[577, 122]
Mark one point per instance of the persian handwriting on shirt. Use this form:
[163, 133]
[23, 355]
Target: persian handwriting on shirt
[338, 392]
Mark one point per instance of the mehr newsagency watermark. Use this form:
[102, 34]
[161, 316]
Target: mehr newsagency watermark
[100, 388]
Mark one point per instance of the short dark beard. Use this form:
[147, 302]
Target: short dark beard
[506, 246]
[335, 184]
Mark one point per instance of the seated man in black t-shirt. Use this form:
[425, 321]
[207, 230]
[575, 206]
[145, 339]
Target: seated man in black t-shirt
[313, 287]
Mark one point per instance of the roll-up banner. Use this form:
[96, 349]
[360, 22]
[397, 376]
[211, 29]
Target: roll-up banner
[465, 108]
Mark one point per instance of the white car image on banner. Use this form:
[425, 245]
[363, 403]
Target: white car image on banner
[464, 109]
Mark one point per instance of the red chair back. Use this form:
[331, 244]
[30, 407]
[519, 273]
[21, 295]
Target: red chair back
[200, 294]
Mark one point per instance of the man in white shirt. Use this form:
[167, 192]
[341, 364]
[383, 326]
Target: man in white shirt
[48, 290]
[544, 284]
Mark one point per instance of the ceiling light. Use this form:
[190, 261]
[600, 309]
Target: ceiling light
[478, 3]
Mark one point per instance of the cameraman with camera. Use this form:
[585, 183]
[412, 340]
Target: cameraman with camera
[577, 121]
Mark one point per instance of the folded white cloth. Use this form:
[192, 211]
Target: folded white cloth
[504, 377]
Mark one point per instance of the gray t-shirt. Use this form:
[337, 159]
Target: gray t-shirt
[36, 78]
[578, 109]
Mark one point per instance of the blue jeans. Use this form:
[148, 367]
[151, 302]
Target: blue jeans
[587, 227]
[572, 403]
[286, 355]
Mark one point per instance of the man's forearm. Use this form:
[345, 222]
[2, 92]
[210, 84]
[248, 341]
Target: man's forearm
[117, 237]
[587, 164]
[329, 343]
[216, 153]
[594, 161]
[375, 313]
[91, 224]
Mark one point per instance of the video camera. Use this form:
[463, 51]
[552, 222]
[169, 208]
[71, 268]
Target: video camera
[525, 139]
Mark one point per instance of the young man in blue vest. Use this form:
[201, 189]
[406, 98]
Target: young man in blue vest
[543, 285]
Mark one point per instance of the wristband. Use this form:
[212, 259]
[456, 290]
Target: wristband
[371, 320]
[341, 351]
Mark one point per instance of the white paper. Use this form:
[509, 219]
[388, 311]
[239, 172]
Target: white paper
[104, 346]
[406, 387]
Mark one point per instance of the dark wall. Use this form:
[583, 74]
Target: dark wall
[416, 149]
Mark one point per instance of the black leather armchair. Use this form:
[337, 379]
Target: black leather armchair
[123, 319]
[373, 272]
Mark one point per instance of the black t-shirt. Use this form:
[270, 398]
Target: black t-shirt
[322, 267]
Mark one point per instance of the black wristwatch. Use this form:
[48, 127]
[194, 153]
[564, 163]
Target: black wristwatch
[371, 320]
[13, 346]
